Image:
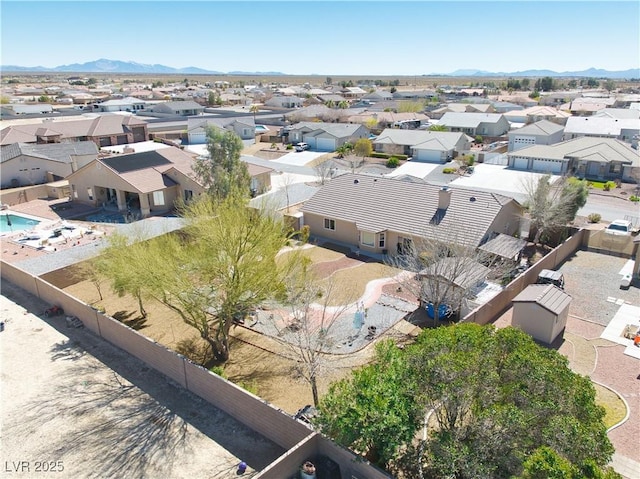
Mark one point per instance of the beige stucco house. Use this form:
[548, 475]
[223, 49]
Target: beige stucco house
[23, 164]
[150, 182]
[387, 216]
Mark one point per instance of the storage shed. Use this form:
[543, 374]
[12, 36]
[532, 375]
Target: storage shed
[541, 310]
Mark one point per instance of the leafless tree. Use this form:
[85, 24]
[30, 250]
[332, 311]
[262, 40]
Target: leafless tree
[308, 333]
[354, 162]
[447, 270]
[323, 170]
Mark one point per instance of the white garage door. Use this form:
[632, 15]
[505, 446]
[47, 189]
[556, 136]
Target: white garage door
[520, 163]
[197, 138]
[310, 140]
[326, 144]
[546, 166]
[431, 156]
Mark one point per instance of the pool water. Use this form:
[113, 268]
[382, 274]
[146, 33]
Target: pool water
[12, 222]
[106, 218]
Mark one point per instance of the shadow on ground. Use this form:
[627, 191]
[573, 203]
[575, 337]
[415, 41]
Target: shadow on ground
[139, 418]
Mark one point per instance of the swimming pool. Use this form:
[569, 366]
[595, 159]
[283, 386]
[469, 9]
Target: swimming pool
[10, 222]
[261, 129]
[106, 218]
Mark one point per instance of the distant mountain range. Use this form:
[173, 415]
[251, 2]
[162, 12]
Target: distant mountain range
[591, 72]
[116, 66]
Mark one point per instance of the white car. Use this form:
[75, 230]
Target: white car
[619, 228]
[302, 147]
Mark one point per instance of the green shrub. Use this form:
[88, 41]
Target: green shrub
[609, 185]
[289, 147]
[449, 171]
[305, 232]
[594, 218]
[386, 156]
[251, 386]
[393, 162]
[219, 370]
[634, 198]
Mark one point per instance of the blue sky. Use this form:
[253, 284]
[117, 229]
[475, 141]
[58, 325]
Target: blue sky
[326, 38]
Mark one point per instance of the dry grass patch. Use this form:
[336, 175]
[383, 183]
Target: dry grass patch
[615, 409]
[349, 284]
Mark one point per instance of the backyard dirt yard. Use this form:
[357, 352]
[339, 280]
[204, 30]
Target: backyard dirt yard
[74, 406]
[258, 363]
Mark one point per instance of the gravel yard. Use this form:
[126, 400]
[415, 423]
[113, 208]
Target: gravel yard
[592, 278]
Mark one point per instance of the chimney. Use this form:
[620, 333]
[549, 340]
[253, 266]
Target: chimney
[444, 198]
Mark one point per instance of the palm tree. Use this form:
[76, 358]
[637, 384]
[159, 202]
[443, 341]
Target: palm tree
[254, 109]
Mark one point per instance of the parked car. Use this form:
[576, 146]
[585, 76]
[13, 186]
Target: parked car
[548, 276]
[619, 228]
[302, 147]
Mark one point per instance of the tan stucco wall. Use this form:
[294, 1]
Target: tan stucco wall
[508, 220]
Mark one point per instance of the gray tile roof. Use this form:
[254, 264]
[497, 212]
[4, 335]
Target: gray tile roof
[378, 204]
[414, 138]
[594, 125]
[338, 130]
[586, 147]
[542, 127]
[468, 120]
[60, 152]
[548, 296]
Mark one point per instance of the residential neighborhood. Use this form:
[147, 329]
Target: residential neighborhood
[224, 270]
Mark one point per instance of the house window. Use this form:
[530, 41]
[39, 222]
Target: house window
[329, 224]
[188, 195]
[90, 194]
[615, 167]
[367, 239]
[158, 198]
[381, 239]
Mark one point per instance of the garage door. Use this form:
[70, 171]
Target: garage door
[310, 140]
[546, 166]
[431, 156]
[197, 138]
[326, 144]
[520, 163]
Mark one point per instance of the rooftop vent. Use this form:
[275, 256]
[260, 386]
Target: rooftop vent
[355, 182]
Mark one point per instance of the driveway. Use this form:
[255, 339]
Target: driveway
[414, 168]
[299, 158]
[500, 179]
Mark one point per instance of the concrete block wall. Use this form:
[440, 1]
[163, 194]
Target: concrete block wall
[501, 302]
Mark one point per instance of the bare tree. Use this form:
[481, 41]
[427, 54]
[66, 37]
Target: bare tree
[309, 332]
[354, 162]
[323, 170]
[447, 271]
[552, 205]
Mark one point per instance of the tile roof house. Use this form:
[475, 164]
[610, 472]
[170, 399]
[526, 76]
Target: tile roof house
[542, 132]
[177, 108]
[602, 126]
[390, 119]
[537, 113]
[585, 157]
[288, 101]
[386, 215]
[25, 164]
[242, 126]
[421, 145]
[619, 113]
[149, 181]
[473, 124]
[326, 136]
[103, 130]
[462, 108]
[587, 106]
[129, 103]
